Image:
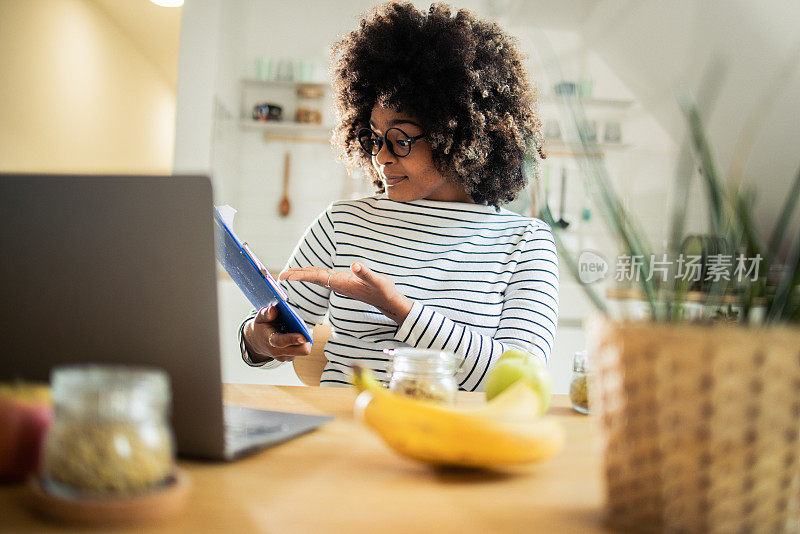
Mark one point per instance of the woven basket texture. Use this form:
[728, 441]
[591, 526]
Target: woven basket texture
[699, 426]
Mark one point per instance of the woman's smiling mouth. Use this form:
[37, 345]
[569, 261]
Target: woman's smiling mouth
[393, 180]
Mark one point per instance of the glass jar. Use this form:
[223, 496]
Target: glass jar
[309, 103]
[111, 433]
[579, 385]
[424, 374]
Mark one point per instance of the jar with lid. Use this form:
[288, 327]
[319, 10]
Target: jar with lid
[111, 434]
[579, 385]
[424, 374]
[309, 103]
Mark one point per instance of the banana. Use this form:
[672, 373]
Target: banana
[506, 430]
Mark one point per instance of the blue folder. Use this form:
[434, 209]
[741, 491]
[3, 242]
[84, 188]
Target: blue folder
[260, 287]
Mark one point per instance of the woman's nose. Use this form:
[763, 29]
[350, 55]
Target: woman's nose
[384, 155]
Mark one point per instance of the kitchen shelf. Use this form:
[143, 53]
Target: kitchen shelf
[289, 130]
[576, 148]
[284, 93]
[287, 84]
[699, 297]
[562, 148]
[590, 102]
[284, 127]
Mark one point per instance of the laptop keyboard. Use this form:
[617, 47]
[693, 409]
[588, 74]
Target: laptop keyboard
[242, 422]
[248, 429]
[244, 430]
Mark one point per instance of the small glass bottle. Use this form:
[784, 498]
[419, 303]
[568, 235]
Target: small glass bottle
[111, 434]
[579, 385]
[424, 374]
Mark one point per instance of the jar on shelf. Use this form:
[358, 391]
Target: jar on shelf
[424, 374]
[579, 385]
[111, 434]
[309, 103]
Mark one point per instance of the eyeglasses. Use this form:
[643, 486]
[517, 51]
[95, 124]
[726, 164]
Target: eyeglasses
[398, 142]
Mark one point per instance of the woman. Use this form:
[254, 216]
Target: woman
[438, 110]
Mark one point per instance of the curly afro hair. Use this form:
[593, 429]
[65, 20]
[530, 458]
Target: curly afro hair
[460, 76]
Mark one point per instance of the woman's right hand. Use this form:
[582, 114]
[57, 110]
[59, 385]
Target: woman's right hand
[264, 341]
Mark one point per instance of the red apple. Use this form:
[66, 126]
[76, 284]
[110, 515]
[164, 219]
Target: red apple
[25, 416]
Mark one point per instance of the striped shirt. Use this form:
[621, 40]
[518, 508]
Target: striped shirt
[481, 281]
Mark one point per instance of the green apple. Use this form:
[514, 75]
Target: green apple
[512, 354]
[515, 365]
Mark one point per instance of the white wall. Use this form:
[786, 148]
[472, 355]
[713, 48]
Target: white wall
[77, 95]
[656, 46]
[197, 70]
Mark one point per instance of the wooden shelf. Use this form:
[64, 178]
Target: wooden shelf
[288, 84]
[558, 144]
[691, 296]
[289, 130]
[286, 127]
[285, 94]
[562, 148]
[590, 102]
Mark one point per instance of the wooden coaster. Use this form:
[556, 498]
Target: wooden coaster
[110, 511]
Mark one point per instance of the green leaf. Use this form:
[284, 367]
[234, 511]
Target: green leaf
[786, 285]
[745, 200]
[724, 220]
[782, 224]
[708, 171]
[683, 178]
[572, 265]
[614, 213]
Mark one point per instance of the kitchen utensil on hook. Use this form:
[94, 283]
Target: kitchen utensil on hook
[285, 206]
[586, 212]
[561, 222]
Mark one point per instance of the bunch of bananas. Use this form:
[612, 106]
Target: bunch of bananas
[506, 430]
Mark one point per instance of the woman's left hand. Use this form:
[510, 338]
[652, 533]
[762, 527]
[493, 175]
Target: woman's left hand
[359, 283]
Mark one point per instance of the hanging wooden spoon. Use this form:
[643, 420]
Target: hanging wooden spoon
[562, 222]
[284, 207]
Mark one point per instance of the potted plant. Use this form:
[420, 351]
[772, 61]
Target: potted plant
[699, 412]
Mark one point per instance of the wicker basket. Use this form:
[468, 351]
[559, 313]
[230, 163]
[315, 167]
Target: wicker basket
[699, 426]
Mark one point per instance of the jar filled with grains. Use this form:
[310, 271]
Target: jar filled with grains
[578, 387]
[424, 374]
[111, 434]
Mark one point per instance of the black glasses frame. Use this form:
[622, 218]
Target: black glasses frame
[379, 140]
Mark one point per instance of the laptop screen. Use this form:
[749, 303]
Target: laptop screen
[116, 269]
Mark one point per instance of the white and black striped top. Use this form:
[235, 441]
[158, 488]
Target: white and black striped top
[481, 281]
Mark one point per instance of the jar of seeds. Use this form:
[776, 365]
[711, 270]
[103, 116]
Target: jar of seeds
[111, 434]
[579, 386]
[424, 374]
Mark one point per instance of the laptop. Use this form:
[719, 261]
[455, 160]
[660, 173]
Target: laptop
[121, 270]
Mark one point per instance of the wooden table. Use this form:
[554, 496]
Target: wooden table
[343, 478]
